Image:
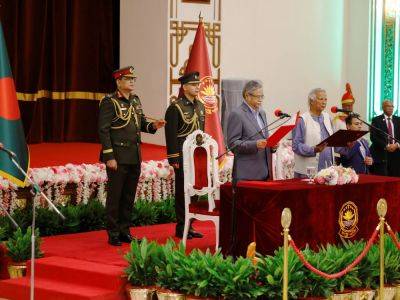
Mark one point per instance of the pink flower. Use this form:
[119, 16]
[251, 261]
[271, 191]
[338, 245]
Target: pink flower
[319, 180]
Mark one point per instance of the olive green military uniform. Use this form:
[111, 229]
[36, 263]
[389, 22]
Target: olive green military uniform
[121, 122]
[183, 117]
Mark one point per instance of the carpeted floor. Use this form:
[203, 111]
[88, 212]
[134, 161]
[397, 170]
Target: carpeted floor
[58, 154]
[84, 266]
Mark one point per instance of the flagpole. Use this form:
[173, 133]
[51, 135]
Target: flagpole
[35, 192]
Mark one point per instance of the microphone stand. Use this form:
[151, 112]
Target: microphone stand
[9, 216]
[387, 135]
[231, 250]
[35, 191]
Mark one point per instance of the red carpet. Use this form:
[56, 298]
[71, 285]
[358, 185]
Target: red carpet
[84, 266]
[58, 154]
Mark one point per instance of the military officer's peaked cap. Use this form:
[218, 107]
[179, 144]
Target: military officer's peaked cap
[127, 72]
[193, 77]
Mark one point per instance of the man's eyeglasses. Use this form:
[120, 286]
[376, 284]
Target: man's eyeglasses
[257, 96]
[128, 78]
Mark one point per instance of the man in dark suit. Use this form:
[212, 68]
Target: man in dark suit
[183, 116]
[386, 151]
[121, 120]
[252, 157]
[357, 155]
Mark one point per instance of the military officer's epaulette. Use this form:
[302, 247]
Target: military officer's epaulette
[180, 103]
[107, 96]
[175, 101]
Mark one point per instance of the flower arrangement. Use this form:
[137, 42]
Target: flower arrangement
[284, 160]
[225, 173]
[156, 182]
[336, 175]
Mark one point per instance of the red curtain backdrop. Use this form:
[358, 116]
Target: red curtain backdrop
[62, 53]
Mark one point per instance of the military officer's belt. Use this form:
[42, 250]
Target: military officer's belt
[124, 143]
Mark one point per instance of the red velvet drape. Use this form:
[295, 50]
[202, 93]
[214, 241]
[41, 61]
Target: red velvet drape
[61, 46]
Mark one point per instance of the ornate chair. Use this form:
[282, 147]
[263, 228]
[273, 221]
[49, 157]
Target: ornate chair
[201, 178]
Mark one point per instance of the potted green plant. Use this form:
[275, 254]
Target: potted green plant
[72, 215]
[315, 285]
[239, 279]
[144, 213]
[19, 251]
[165, 211]
[370, 267]
[360, 287]
[270, 274]
[47, 221]
[2, 233]
[201, 275]
[340, 257]
[92, 216]
[142, 258]
[172, 258]
[392, 267]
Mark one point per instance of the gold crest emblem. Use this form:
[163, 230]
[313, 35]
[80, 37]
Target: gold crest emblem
[348, 220]
[207, 95]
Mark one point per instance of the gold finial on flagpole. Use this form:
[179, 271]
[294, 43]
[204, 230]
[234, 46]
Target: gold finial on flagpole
[200, 18]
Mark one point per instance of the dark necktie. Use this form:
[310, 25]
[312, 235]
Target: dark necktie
[390, 130]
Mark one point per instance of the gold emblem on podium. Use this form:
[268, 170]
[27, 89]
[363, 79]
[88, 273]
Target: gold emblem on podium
[348, 219]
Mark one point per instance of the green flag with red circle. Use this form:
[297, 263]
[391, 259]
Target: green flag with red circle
[11, 131]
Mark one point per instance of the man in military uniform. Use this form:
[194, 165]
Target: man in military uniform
[183, 116]
[121, 120]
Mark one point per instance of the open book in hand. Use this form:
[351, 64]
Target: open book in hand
[282, 131]
[342, 137]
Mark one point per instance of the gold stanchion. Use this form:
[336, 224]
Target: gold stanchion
[286, 219]
[381, 207]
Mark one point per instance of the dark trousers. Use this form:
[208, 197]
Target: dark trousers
[380, 168]
[121, 190]
[179, 199]
[388, 167]
[393, 164]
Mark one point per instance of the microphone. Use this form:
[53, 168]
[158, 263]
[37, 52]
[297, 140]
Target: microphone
[335, 109]
[279, 113]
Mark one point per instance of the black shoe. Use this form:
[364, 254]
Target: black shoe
[195, 234]
[125, 238]
[179, 234]
[114, 241]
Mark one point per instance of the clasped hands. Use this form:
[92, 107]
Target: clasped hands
[157, 124]
[392, 147]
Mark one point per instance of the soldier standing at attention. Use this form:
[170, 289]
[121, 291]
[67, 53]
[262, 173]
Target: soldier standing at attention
[121, 120]
[183, 116]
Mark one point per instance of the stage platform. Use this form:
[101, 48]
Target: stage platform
[84, 266]
[59, 154]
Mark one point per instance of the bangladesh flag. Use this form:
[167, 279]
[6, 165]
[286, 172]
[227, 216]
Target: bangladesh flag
[11, 131]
